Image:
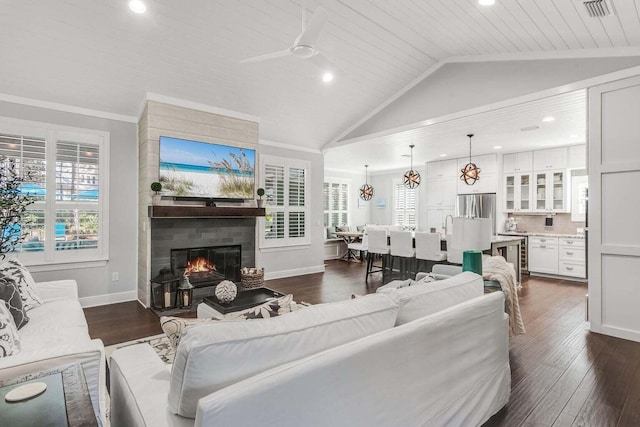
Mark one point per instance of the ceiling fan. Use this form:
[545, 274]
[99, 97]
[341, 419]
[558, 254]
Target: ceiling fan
[304, 45]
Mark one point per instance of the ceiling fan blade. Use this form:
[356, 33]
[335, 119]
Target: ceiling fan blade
[321, 61]
[268, 56]
[309, 35]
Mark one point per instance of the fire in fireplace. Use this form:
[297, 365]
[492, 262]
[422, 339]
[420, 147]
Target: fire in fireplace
[207, 266]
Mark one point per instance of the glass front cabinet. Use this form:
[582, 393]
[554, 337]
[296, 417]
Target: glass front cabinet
[518, 192]
[550, 191]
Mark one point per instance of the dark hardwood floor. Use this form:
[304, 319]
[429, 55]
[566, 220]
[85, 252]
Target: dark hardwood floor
[562, 375]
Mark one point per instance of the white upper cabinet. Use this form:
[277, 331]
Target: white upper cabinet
[488, 182]
[554, 158]
[442, 169]
[441, 192]
[518, 162]
[577, 157]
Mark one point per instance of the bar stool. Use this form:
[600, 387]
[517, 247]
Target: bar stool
[402, 250]
[377, 246]
[428, 249]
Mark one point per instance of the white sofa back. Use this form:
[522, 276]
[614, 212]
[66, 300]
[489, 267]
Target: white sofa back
[424, 299]
[213, 356]
[450, 368]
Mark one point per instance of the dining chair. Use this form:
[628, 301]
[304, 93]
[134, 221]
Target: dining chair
[376, 247]
[360, 246]
[428, 249]
[402, 251]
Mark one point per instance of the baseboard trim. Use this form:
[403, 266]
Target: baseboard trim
[295, 272]
[105, 299]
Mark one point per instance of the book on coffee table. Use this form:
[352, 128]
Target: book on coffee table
[245, 299]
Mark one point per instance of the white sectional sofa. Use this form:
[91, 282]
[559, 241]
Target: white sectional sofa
[56, 337]
[376, 360]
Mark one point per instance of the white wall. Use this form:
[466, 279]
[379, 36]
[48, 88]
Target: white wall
[95, 285]
[383, 187]
[357, 215]
[461, 86]
[284, 262]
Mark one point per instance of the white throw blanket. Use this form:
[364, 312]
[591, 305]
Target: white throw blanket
[498, 269]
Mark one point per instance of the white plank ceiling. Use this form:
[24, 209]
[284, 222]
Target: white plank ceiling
[511, 129]
[98, 55]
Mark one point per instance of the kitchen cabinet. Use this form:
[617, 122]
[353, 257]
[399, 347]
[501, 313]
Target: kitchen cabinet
[442, 169]
[441, 192]
[488, 183]
[577, 157]
[571, 257]
[554, 158]
[488, 164]
[517, 162]
[543, 255]
[436, 218]
[550, 191]
[518, 192]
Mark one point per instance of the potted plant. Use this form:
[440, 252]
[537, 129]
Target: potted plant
[13, 206]
[156, 187]
[260, 193]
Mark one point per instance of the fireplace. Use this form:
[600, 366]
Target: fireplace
[207, 266]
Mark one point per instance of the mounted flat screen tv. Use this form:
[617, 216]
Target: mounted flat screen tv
[193, 169]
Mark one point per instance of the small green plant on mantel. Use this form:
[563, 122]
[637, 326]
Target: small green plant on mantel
[156, 187]
[13, 206]
[260, 193]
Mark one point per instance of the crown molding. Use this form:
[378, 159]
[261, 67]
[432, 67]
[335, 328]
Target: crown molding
[151, 96]
[66, 108]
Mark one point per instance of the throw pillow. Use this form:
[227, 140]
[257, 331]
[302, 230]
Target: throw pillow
[9, 338]
[13, 269]
[10, 295]
[174, 327]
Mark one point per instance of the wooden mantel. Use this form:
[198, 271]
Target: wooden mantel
[203, 212]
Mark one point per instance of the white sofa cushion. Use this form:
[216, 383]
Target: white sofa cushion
[427, 298]
[213, 356]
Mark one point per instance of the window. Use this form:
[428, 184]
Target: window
[285, 184]
[67, 175]
[404, 205]
[336, 203]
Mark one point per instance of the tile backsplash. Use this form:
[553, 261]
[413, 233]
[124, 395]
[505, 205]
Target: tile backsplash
[562, 223]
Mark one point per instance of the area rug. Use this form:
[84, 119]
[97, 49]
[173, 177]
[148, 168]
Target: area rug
[160, 343]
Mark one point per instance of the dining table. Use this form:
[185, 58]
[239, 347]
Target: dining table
[350, 237]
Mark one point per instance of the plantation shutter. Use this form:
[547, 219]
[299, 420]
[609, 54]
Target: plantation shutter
[285, 185]
[404, 205]
[336, 203]
[77, 213]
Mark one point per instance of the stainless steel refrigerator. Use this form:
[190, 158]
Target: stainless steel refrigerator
[477, 206]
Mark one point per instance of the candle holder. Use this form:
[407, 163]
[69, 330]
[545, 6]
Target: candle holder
[164, 290]
[185, 293]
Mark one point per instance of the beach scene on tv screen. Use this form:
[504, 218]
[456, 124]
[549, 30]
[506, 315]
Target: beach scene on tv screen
[200, 169]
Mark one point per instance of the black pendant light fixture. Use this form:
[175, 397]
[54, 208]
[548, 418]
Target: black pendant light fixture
[366, 191]
[411, 178]
[471, 172]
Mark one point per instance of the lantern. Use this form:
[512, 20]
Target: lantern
[164, 290]
[185, 293]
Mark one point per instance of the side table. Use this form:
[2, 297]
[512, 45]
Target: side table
[210, 307]
[65, 402]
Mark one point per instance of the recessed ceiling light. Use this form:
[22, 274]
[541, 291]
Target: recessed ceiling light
[443, 155]
[497, 147]
[137, 6]
[327, 77]
[548, 119]
[486, 2]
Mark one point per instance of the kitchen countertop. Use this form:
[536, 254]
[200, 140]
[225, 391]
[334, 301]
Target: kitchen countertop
[517, 233]
[504, 238]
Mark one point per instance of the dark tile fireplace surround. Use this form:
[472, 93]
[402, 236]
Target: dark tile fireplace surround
[216, 238]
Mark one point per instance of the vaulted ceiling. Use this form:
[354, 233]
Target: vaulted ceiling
[99, 55]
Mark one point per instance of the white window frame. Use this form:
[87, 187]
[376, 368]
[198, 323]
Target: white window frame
[347, 196]
[287, 164]
[395, 210]
[52, 134]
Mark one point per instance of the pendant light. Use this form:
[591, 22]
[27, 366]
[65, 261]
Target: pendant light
[411, 178]
[471, 172]
[366, 191]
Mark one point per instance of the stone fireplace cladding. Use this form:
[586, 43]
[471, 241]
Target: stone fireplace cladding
[172, 233]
